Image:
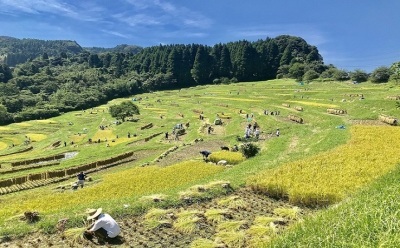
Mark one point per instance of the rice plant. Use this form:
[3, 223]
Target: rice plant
[156, 217]
[186, 225]
[75, 235]
[230, 157]
[233, 202]
[153, 198]
[231, 226]
[289, 213]
[232, 239]
[330, 176]
[266, 220]
[216, 215]
[202, 243]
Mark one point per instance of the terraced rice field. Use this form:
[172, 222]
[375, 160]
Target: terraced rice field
[321, 162]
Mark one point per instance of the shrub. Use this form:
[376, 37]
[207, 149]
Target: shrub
[380, 75]
[310, 75]
[359, 76]
[249, 150]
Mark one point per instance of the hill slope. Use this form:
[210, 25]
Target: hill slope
[14, 51]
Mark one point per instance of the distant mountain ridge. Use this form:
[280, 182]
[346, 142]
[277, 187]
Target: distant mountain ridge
[14, 51]
[123, 48]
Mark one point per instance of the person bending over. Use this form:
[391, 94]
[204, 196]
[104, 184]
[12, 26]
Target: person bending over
[104, 228]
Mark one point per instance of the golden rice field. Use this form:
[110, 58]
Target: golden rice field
[118, 141]
[230, 157]
[46, 121]
[316, 104]
[231, 99]
[14, 140]
[329, 177]
[77, 138]
[104, 134]
[36, 136]
[23, 124]
[3, 146]
[135, 182]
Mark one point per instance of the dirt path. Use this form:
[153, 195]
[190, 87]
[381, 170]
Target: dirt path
[191, 152]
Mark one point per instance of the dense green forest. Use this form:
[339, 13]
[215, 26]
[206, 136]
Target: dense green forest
[124, 48]
[58, 81]
[14, 51]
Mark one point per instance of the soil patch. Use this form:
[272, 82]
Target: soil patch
[136, 234]
[191, 152]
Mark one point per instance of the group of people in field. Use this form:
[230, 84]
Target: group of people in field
[253, 131]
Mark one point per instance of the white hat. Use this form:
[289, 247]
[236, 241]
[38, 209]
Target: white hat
[93, 213]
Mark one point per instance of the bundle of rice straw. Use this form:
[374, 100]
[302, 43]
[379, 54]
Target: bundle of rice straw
[75, 234]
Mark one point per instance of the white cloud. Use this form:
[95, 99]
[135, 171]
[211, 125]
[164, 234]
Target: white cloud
[198, 34]
[140, 4]
[162, 12]
[115, 33]
[36, 6]
[167, 7]
[138, 20]
[174, 34]
[56, 7]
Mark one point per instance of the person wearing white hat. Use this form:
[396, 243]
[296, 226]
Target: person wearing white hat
[104, 227]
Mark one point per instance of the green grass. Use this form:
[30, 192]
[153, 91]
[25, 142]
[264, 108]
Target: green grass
[297, 141]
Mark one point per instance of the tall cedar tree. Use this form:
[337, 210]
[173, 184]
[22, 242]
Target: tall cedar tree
[201, 66]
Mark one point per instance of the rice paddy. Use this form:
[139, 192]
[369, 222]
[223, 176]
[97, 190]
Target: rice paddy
[329, 177]
[326, 160]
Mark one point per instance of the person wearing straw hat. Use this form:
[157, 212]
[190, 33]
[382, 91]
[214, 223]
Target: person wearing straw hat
[104, 226]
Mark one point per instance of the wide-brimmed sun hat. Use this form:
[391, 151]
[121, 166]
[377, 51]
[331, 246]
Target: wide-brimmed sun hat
[93, 213]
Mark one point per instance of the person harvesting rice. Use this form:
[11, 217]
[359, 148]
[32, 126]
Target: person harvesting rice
[105, 228]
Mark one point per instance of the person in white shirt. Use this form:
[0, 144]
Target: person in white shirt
[257, 133]
[104, 227]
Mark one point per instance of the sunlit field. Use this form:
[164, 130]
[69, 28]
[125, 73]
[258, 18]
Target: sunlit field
[332, 174]
[329, 177]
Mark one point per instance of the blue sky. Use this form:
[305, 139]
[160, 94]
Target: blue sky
[350, 34]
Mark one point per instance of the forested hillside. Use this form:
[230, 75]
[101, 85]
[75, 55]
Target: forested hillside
[124, 48]
[14, 51]
[56, 82]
